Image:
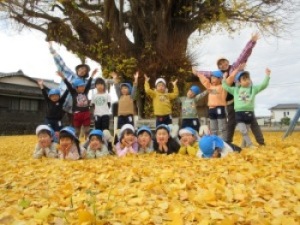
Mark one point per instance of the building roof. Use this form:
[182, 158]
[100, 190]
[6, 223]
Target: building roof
[47, 83]
[286, 106]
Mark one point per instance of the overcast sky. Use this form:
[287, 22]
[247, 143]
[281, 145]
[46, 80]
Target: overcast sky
[28, 51]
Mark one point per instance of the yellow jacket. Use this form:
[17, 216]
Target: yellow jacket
[161, 101]
[190, 150]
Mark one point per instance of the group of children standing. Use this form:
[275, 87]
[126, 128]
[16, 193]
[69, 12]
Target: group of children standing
[228, 87]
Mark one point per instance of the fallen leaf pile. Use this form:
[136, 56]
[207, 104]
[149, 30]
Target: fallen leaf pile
[259, 186]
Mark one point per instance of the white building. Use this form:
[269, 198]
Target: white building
[283, 110]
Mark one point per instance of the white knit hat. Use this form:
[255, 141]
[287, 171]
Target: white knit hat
[160, 80]
[43, 127]
[124, 127]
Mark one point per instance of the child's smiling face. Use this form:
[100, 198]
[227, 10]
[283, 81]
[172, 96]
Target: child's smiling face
[190, 94]
[187, 139]
[54, 98]
[144, 139]
[44, 139]
[124, 90]
[215, 80]
[162, 136]
[161, 87]
[65, 143]
[95, 143]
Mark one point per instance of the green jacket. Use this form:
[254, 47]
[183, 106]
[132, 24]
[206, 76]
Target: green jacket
[244, 97]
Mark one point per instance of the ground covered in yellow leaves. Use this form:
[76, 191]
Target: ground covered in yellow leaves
[255, 187]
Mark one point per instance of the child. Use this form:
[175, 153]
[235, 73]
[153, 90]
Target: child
[212, 146]
[54, 103]
[161, 100]
[144, 138]
[69, 144]
[127, 141]
[216, 102]
[80, 107]
[82, 72]
[163, 142]
[126, 95]
[96, 147]
[101, 103]
[45, 146]
[188, 141]
[189, 112]
[244, 94]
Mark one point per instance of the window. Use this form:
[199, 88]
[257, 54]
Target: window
[284, 114]
[288, 113]
[24, 104]
[15, 104]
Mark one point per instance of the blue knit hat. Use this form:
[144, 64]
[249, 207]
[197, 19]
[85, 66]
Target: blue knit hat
[53, 91]
[97, 133]
[195, 89]
[144, 128]
[238, 76]
[78, 82]
[218, 73]
[127, 85]
[69, 130]
[209, 143]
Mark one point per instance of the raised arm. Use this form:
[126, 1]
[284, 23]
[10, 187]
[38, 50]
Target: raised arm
[197, 72]
[265, 82]
[148, 90]
[61, 65]
[175, 92]
[204, 80]
[116, 82]
[231, 77]
[246, 52]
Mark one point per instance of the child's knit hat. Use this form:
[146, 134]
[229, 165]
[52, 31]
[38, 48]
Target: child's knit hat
[97, 133]
[124, 127]
[239, 75]
[208, 144]
[78, 82]
[188, 130]
[46, 128]
[144, 128]
[69, 130]
[163, 126]
[195, 89]
[160, 80]
[128, 85]
[218, 73]
[53, 91]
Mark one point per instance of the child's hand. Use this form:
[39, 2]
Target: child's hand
[60, 74]
[114, 75]
[174, 82]
[146, 78]
[268, 72]
[194, 70]
[94, 72]
[200, 75]
[255, 36]
[242, 66]
[136, 75]
[41, 83]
